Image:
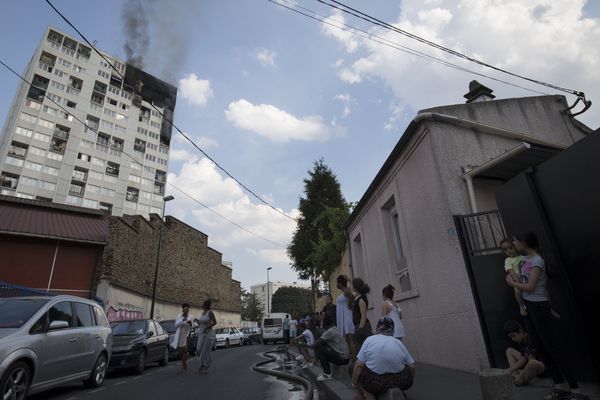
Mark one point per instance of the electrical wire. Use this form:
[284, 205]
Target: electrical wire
[386, 42]
[169, 121]
[112, 146]
[366, 17]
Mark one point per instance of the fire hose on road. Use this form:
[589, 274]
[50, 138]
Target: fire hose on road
[308, 386]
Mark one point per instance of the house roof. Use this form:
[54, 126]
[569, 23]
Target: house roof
[43, 219]
[538, 151]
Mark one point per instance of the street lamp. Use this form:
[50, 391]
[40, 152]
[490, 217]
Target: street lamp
[268, 290]
[165, 199]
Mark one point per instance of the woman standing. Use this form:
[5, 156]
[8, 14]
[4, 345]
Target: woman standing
[541, 325]
[343, 311]
[392, 311]
[205, 336]
[362, 326]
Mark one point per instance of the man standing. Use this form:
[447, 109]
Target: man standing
[293, 327]
[329, 309]
[286, 329]
[183, 323]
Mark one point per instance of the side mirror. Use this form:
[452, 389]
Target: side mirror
[150, 334]
[58, 325]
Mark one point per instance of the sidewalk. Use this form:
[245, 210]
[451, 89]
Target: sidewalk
[435, 383]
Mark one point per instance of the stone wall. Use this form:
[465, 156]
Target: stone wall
[189, 270]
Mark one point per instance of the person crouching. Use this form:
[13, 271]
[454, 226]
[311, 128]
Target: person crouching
[383, 363]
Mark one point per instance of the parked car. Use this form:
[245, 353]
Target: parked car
[228, 336]
[138, 342]
[251, 335]
[48, 341]
[192, 340]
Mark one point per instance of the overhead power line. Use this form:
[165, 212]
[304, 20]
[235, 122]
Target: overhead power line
[386, 42]
[96, 132]
[259, 198]
[366, 17]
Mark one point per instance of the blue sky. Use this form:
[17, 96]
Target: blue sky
[266, 92]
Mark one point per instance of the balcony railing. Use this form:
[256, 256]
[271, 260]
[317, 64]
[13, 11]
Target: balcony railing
[45, 67]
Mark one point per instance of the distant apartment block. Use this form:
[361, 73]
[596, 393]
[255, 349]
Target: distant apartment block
[108, 149]
[264, 290]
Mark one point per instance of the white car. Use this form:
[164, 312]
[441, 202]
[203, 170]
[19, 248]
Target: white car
[228, 336]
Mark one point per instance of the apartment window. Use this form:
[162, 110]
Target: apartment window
[28, 118]
[139, 145]
[159, 188]
[393, 232]
[50, 110]
[144, 115]
[64, 63]
[103, 139]
[99, 162]
[54, 156]
[160, 176]
[17, 162]
[163, 149]
[112, 168]
[59, 73]
[132, 194]
[57, 85]
[58, 144]
[155, 124]
[47, 185]
[100, 87]
[107, 125]
[29, 181]
[135, 178]
[78, 69]
[42, 198]
[37, 151]
[136, 166]
[33, 166]
[45, 123]
[124, 106]
[75, 83]
[120, 129]
[55, 98]
[18, 150]
[34, 105]
[96, 175]
[107, 192]
[109, 112]
[50, 170]
[76, 200]
[71, 104]
[41, 137]
[80, 174]
[9, 181]
[70, 44]
[83, 52]
[106, 207]
[84, 157]
[89, 203]
[92, 123]
[97, 98]
[152, 146]
[112, 102]
[76, 189]
[23, 132]
[117, 143]
[55, 37]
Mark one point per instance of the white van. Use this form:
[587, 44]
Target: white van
[273, 327]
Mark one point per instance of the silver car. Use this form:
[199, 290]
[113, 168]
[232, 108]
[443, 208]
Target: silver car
[47, 341]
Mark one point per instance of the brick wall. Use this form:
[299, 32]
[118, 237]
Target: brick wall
[189, 270]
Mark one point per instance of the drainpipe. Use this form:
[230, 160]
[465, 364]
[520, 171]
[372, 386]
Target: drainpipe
[351, 270]
[473, 172]
[493, 130]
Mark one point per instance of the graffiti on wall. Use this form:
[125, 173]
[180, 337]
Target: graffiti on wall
[123, 314]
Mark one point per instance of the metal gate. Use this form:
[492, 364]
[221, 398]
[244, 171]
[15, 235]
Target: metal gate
[480, 235]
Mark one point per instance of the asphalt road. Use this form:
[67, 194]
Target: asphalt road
[230, 377]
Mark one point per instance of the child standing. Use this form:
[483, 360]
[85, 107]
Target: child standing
[512, 267]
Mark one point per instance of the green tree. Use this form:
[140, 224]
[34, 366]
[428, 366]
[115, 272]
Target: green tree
[327, 253]
[322, 191]
[252, 310]
[291, 300]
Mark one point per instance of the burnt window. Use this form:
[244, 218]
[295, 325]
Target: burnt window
[132, 194]
[75, 83]
[84, 51]
[112, 168]
[9, 181]
[139, 145]
[17, 149]
[70, 44]
[100, 87]
[106, 207]
[55, 37]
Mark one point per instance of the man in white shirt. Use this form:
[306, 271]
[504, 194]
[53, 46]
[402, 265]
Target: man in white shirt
[183, 323]
[383, 363]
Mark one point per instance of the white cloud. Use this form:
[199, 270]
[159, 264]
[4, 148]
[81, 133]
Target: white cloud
[196, 91]
[348, 39]
[346, 101]
[549, 41]
[179, 154]
[265, 57]
[201, 180]
[275, 124]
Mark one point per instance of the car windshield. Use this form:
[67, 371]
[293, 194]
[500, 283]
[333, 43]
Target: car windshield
[222, 330]
[15, 312]
[168, 326]
[273, 322]
[129, 328]
[247, 330]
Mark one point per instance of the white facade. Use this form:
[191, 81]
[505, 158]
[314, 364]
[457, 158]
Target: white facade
[81, 156]
[261, 291]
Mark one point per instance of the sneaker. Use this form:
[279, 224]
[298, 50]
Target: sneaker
[306, 365]
[323, 377]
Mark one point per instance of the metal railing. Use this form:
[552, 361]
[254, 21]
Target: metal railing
[484, 231]
[12, 290]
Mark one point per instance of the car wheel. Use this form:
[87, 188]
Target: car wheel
[227, 343]
[141, 364]
[165, 360]
[98, 373]
[15, 381]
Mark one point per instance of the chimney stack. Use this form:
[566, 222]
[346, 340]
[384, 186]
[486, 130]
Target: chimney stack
[478, 92]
